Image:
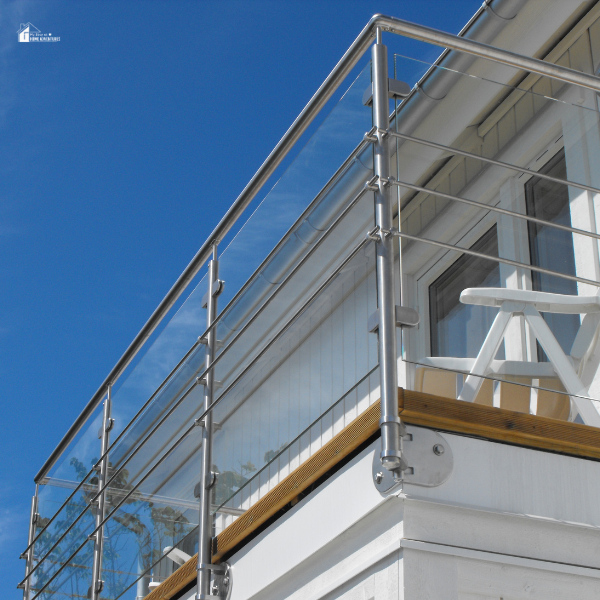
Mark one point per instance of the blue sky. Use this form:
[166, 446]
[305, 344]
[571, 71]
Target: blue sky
[121, 147]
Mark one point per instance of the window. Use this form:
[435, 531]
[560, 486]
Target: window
[460, 329]
[552, 248]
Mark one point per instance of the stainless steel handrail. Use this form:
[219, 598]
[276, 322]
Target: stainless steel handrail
[298, 127]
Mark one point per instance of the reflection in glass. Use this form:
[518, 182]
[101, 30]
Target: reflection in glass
[552, 248]
[459, 329]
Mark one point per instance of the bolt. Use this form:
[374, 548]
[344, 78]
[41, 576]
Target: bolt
[438, 449]
[379, 477]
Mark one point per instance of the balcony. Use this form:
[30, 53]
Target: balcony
[486, 172]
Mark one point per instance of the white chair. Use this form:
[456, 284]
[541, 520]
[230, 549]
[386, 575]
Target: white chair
[571, 370]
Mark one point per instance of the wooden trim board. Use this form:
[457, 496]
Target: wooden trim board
[416, 408]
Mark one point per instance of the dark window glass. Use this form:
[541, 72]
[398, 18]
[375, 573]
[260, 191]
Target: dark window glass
[460, 329]
[552, 248]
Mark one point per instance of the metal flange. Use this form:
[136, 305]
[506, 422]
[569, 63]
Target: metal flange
[428, 456]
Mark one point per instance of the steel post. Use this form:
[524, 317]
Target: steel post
[205, 530]
[33, 518]
[388, 370]
[97, 582]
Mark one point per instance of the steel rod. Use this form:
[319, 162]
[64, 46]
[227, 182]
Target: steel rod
[33, 518]
[497, 209]
[203, 574]
[390, 425]
[505, 261]
[97, 583]
[491, 161]
[298, 127]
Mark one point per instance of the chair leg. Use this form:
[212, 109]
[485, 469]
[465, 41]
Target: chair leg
[486, 355]
[564, 369]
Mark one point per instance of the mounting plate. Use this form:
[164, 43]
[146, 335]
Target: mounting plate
[428, 455]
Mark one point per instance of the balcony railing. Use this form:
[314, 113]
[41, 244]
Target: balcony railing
[494, 249]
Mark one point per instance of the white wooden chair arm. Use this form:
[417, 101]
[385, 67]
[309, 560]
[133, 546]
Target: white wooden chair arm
[542, 301]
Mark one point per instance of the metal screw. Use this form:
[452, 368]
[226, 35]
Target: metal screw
[379, 477]
[438, 449]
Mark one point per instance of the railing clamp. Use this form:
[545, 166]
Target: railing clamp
[378, 234]
[221, 583]
[372, 184]
[376, 136]
[217, 385]
[204, 341]
[218, 285]
[370, 136]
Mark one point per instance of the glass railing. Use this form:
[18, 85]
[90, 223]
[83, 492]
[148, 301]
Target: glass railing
[499, 248]
[298, 269]
[496, 250]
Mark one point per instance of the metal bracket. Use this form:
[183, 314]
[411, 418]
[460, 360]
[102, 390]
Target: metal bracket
[217, 385]
[216, 426]
[218, 286]
[396, 89]
[218, 343]
[405, 317]
[221, 584]
[214, 475]
[428, 455]
[108, 425]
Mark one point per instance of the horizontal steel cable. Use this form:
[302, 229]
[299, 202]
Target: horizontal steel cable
[506, 261]
[503, 211]
[491, 161]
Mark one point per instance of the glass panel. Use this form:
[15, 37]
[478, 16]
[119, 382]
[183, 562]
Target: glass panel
[459, 329]
[73, 581]
[140, 536]
[552, 248]
[310, 171]
[237, 487]
[324, 355]
[178, 336]
[325, 151]
[152, 458]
